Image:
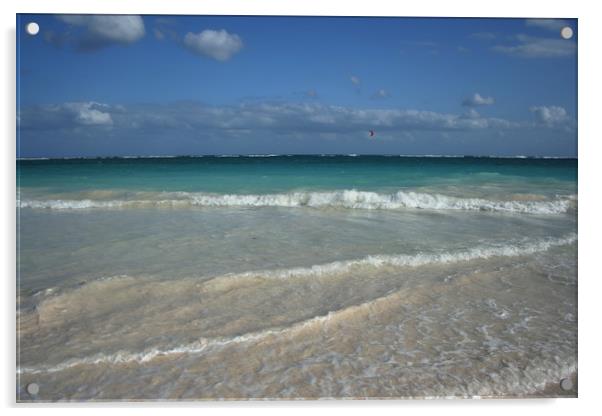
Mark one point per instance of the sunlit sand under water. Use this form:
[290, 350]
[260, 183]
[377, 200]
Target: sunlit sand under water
[296, 278]
[494, 320]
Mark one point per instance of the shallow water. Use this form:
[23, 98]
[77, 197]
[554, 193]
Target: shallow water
[427, 289]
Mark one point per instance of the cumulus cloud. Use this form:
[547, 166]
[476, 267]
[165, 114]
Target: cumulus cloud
[89, 114]
[217, 44]
[534, 47]
[355, 80]
[104, 30]
[265, 127]
[274, 117]
[476, 100]
[472, 113]
[66, 116]
[549, 24]
[549, 115]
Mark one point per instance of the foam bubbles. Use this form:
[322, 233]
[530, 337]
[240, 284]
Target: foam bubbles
[345, 199]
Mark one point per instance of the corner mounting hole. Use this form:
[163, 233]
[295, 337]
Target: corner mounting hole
[566, 32]
[33, 389]
[32, 28]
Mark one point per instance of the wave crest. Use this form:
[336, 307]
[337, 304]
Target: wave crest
[345, 199]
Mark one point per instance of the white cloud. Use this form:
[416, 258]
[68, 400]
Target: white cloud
[66, 116]
[290, 117]
[549, 115]
[476, 99]
[355, 80]
[277, 122]
[104, 30]
[472, 113]
[533, 47]
[279, 118]
[549, 24]
[217, 44]
[88, 113]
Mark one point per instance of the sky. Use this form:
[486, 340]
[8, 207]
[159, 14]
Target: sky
[103, 85]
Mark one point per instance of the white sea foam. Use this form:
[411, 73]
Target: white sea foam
[263, 155]
[347, 199]
[200, 346]
[403, 260]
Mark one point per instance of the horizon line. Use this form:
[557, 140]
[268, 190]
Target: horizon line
[260, 155]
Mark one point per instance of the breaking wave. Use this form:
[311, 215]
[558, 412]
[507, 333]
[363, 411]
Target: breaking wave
[345, 199]
[200, 346]
[402, 260]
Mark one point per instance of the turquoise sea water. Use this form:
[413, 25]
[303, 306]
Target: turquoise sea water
[285, 173]
[296, 276]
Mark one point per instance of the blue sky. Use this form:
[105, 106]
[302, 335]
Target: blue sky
[147, 85]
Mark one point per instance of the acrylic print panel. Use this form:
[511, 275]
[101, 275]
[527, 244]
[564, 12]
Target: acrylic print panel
[222, 207]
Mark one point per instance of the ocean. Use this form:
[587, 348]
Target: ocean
[286, 277]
